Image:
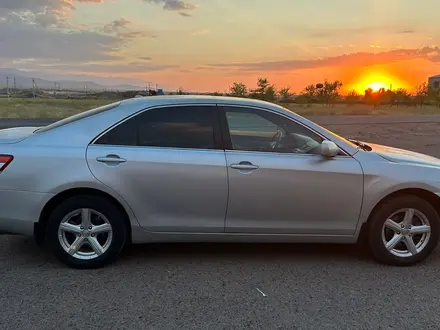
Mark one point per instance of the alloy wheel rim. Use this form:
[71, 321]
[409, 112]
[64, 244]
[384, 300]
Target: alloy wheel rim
[406, 232]
[85, 234]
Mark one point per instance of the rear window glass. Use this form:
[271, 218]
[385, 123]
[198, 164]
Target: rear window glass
[78, 116]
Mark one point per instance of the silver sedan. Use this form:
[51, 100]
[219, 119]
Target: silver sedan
[211, 169]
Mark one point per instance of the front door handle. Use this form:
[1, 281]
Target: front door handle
[246, 166]
[111, 159]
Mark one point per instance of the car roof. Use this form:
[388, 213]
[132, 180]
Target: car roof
[149, 101]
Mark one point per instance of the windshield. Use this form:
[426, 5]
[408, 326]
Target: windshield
[346, 140]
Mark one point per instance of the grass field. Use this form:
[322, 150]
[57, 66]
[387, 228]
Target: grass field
[60, 108]
[45, 108]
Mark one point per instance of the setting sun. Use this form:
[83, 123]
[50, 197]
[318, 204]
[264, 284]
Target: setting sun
[377, 86]
[376, 78]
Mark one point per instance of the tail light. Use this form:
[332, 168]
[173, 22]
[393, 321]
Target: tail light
[5, 160]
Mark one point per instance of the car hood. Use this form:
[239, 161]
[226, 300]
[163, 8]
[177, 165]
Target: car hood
[403, 156]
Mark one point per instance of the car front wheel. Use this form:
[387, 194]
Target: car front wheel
[404, 231]
[86, 232]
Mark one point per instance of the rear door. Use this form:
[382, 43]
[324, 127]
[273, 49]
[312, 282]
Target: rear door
[168, 163]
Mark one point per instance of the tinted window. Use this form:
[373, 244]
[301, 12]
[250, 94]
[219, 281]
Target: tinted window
[173, 127]
[125, 134]
[259, 130]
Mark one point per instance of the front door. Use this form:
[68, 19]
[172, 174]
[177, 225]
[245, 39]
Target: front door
[280, 184]
[169, 165]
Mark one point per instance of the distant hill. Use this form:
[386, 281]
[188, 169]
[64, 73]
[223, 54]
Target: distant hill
[23, 80]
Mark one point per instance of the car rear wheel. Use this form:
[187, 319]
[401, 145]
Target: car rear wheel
[86, 232]
[404, 230]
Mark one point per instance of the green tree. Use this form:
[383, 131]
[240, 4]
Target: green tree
[285, 94]
[309, 94]
[422, 92]
[389, 97]
[238, 90]
[402, 95]
[180, 91]
[270, 94]
[374, 98]
[310, 91]
[262, 86]
[352, 97]
[330, 91]
[264, 91]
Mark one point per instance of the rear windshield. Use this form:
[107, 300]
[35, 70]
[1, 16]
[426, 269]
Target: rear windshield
[78, 116]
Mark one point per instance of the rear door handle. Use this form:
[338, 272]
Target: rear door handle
[111, 159]
[247, 166]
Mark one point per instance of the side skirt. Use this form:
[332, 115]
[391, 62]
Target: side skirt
[140, 235]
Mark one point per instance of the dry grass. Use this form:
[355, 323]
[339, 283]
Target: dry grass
[60, 108]
[45, 108]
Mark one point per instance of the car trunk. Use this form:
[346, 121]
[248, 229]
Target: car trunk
[15, 134]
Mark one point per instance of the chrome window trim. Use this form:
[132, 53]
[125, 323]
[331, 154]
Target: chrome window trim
[141, 112]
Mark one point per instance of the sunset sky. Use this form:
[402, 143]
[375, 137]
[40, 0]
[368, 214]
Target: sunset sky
[206, 45]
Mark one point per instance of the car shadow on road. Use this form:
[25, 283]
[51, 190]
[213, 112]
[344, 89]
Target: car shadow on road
[24, 250]
[246, 251]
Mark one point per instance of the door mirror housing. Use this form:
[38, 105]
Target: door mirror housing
[329, 149]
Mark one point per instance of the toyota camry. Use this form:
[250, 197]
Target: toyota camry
[211, 169]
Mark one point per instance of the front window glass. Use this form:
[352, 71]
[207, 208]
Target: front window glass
[259, 130]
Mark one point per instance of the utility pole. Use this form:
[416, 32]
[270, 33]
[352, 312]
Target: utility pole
[15, 86]
[34, 87]
[7, 86]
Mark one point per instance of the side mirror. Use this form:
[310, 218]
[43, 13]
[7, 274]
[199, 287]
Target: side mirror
[329, 149]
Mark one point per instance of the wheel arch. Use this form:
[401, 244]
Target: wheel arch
[425, 194]
[40, 226]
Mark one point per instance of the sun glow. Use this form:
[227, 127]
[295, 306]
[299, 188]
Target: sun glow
[375, 86]
[376, 80]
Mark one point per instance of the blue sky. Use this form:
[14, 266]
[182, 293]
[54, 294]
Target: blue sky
[208, 44]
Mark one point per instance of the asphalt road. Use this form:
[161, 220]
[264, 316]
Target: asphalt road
[217, 286]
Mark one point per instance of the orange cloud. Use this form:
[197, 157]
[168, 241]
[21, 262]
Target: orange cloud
[401, 68]
[354, 59]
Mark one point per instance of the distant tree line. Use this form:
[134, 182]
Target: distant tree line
[329, 93]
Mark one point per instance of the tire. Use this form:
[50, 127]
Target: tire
[398, 209]
[101, 212]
